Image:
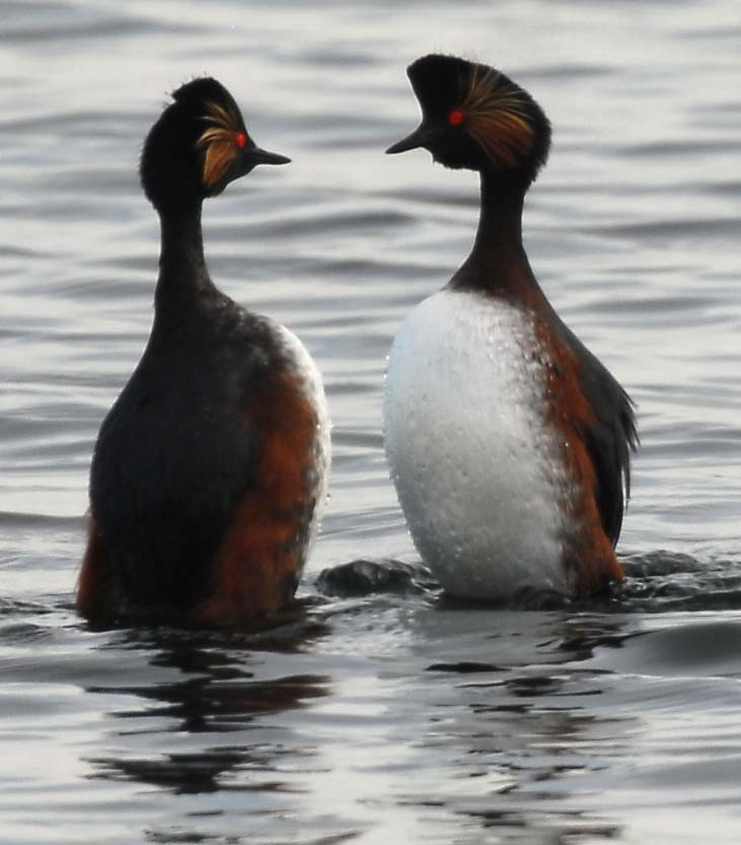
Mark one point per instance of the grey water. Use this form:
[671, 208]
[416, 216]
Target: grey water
[390, 715]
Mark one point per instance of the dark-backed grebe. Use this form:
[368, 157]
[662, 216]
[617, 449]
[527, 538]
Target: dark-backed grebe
[509, 442]
[211, 466]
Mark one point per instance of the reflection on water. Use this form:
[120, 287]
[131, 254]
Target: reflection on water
[217, 696]
[381, 712]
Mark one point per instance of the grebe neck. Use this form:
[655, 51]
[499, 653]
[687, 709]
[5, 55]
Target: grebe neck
[498, 263]
[183, 273]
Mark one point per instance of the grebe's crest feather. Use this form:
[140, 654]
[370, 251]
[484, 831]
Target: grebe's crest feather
[496, 116]
[219, 141]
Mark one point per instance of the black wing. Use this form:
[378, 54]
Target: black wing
[611, 439]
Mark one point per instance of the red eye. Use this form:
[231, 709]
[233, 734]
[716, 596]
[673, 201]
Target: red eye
[242, 140]
[456, 117]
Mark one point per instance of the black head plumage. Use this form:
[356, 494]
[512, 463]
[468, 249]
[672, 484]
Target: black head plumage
[197, 146]
[476, 117]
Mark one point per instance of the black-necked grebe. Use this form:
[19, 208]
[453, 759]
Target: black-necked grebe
[509, 442]
[211, 466]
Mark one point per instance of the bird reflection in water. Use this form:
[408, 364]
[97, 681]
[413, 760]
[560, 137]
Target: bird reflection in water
[217, 684]
[531, 730]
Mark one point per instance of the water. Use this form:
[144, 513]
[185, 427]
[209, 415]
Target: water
[391, 716]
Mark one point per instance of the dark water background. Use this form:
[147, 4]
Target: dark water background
[390, 717]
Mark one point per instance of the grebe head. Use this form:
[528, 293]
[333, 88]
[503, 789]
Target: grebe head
[197, 146]
[475, 117]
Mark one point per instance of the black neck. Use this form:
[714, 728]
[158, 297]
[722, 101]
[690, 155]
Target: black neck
[183, 272]
[498, 262]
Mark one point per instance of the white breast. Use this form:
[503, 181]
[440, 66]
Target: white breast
[475, 467]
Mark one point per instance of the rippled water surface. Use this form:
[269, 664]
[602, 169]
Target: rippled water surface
[388, 716]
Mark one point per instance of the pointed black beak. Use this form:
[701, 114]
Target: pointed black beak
[256, 156]
[418, 138]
